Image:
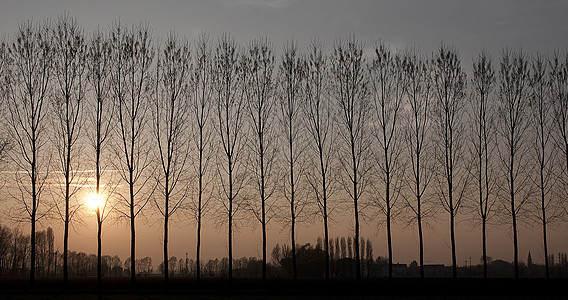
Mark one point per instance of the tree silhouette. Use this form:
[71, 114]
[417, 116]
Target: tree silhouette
[559, 93]
[513, 105]
[171, 124]
[483, 141]
[44, 248]
[132, 56]
[5, 64]
[260, 96]
[101, 117]
[419, 93]
[545, 155]
[291, 77]
[229, 78]
[321, 128]
[201, 104]
[386, 81]
[350, 90]
[70, 53]
[28, 82]
[449, 90]
[385, 119]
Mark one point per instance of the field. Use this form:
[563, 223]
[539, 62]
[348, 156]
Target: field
[154, 288]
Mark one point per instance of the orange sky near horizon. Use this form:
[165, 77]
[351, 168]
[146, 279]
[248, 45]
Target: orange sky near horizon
[248, 240]
[470, 26]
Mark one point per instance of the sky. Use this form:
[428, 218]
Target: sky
[469, 25]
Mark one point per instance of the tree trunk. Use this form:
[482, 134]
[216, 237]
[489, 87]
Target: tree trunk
[453, 238]
[99, 217]
[262, 195]
[389, 238]
[356, 210]
[33, 239]
[484, 235]
[33, 214]
[543, 206]
[514, 217]
[65, 245]
[263, 244]
[326, 234]
[292, 202]
[421, 241]
[230, 220]
[325, 226]
[515, 245]
[66, 234]
[200, 198]
[480, 187]
[132, 236]
[294, 269]
[419, 211]
[389, 241]
[197, 264]
[166, 217]
[99, 248]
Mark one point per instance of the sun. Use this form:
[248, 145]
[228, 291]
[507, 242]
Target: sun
[94, 201]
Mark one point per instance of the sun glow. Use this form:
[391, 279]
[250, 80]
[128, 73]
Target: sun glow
[94, 201]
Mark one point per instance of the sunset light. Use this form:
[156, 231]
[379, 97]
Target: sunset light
[94, 201]
[284, 148]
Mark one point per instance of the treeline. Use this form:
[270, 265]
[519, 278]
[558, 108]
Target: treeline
[15, 255]
[14, 261]
[240, 133]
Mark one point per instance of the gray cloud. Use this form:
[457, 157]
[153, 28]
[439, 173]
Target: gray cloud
[261, 3]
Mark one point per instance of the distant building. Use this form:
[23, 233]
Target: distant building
[398, 270]
[435, 270]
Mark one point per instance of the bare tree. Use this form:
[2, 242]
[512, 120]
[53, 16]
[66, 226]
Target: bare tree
[350, 90]
[513, 105]
[5, 62]
[101, 117]
[260, 89]
[349, 247]
[132, 55]
[5, 144]
[544, 152]
[318, 112]
[70, 51]
[228, 81]
[559, 93]
[171, 122]
[386, 82]
[4, 65]
[419, 93]
[28, 81]
[483, 141]
[201, 104]
[449, 90]
[291, 78]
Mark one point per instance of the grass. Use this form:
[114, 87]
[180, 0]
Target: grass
[182, 288]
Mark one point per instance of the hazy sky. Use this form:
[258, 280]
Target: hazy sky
[469, 25]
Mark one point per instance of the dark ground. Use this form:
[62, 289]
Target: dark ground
[154, 288]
